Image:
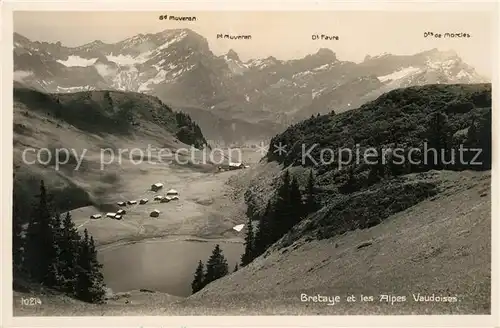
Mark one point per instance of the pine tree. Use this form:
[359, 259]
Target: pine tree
[198, 281]
[395, 167]
[264, 234]
[351, 184]
[235, 267]
[217, 266]
[69, 247]
[248, 255]
[472, 135]
[83, 281]
[283, 211]
[17, 238]
[484, 141]
[377, 170]
[54, 277]
[97, 290]
[40, 246]
[311, 204]
[296, 205]
[438, 137]
[89, 281]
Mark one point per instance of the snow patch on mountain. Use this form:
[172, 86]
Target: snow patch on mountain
[236, 66]
[73, 61]
[316, 93]
[301, 74]
[159, 78]
[164, 76]
[445, 64]
[178, 38]
[260, 64]
[158, 65]
[104, 70]
[399, 74]
[463, 74]
[322, 67]
[74, 89]
[128, 60]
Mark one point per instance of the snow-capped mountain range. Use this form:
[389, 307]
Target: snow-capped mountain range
[224, 93]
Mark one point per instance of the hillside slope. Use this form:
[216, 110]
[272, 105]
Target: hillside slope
[89, 129]
[401, 231]
[440, 246]
[393, 229]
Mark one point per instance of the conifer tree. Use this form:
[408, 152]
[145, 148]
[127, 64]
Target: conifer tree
[54, 277]
[351, 184]
[438, 136]
[89, 280]
[69, 247]
[40, 248]
[377, 169]
[97, 290]
[198, 281]
[83, 281]
[235, 267]
[395, 166]
[296, 205]
[264, 235]
[472, 135]
[311, 204]
[217, 266]
[283, 211]
[248, 255]
[484, 141]
[17, 238]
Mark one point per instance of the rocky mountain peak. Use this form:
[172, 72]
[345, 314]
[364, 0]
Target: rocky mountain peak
[326, 53]
[231, 54]
[438, 54]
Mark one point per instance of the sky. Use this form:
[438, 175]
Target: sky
[284, 35]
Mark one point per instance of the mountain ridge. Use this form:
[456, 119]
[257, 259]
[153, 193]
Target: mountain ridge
[178, 66]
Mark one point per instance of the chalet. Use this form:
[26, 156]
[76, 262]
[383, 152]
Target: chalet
[157, 186]
[236, 166]
[172, 192]
[143, 201]
[174, 198]
[118, 217]
[122, 204]
[121, 212]
[158, 198]
[132, 202]
[154, 214]
[96, 216]
[166, 199]
[238, 227]
[110, 215]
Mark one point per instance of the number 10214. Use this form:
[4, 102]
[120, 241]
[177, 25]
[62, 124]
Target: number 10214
[30, 301]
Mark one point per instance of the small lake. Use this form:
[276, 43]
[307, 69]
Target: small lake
[161, 265]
